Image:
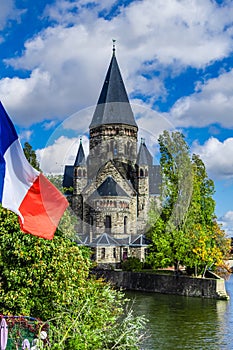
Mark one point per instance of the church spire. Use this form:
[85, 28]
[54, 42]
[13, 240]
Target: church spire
[113, 106]
[144, 156]
[113, 46]
[80, 158]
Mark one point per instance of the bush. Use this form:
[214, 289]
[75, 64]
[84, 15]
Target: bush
[132, 264]
[51, 280]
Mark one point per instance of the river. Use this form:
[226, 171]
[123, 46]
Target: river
[176, 322]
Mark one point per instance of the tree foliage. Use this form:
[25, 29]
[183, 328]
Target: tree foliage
[184, 230]
[51, 280]
[30, 154]
[37, 274]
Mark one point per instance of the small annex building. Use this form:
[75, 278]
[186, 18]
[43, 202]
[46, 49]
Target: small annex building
[114, 185]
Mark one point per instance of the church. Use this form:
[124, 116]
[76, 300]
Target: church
[113, 187]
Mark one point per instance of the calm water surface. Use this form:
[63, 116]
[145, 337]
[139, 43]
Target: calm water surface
[177, 322]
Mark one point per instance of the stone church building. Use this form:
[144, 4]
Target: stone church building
[114, 185]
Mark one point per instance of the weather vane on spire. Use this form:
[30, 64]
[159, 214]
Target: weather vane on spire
[113, 45]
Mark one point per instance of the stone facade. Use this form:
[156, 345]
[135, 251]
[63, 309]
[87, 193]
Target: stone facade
[113, 187]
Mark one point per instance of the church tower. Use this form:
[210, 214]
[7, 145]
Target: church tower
[79, 182]
[113, 130]
[113, 188]
[144, 168]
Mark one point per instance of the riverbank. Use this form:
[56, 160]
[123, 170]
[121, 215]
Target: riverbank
[211, 286]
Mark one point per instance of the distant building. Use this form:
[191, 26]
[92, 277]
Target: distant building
[114, 186]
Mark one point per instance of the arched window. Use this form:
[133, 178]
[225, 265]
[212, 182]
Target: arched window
[91, 220]
[108, 224]
[84, 173]
[141, 173]
[111, 146]
[124, 253]
[115, 150]
[79, 173]
[131, 151]
[125, 225]
[102, 253]
[128, 147]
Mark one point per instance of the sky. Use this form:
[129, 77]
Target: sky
[176, 59]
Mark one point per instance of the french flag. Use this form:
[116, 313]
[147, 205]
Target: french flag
[24, 190]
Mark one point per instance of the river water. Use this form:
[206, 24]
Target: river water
[176, 322]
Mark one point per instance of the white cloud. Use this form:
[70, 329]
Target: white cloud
[63, 151]
[66, 12]
[227, 223]
[67, 62]
[212, 103]
[21, 97]
[49, 125]
[26, 135]
[8, 12]
[217, 156]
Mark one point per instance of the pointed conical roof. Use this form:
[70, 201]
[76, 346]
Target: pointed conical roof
[80, 158]
[144, 156]
[113, 106]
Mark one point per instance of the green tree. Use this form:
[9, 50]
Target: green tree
[51, 280]
[167, 233]
[37, 274]
[30, 154]
[56, 180]
[177, 178]
[185, 231]
[208, 244]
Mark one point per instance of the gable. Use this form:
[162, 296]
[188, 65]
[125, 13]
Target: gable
[109, 188]
[109, 170]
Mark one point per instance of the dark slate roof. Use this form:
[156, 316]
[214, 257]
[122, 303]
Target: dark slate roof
[113, 106]
[80, 158]
[155, 180]
[68, 176]
[108, 240]
[144, 157]
[104, 240]
[109, 188]
[124, 241]
[139, 241]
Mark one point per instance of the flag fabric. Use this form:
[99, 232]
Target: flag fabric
[24, 190]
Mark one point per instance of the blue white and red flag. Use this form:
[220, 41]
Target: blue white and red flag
[24, 190]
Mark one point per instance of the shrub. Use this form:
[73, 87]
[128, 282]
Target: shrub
[132, 264]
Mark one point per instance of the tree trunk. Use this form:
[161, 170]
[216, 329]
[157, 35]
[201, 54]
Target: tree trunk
[203, 275]
[176, 267]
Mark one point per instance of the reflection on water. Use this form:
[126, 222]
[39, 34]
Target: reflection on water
[177, 322]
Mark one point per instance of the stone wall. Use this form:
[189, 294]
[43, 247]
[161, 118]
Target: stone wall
[167, 284]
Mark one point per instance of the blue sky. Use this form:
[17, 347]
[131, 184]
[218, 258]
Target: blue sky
[176, 58]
